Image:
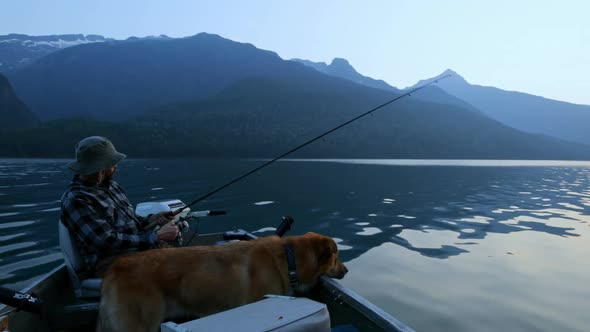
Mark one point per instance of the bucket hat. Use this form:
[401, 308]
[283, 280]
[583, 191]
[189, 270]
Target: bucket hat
[94, 154]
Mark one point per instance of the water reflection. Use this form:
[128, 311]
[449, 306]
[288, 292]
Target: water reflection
[438, 212]
[448, 206]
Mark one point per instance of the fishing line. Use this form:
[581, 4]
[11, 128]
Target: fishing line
[407, 94]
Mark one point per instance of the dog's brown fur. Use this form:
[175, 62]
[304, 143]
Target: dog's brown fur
[141, 290]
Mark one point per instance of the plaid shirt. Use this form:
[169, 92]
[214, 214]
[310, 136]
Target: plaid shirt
[102, 221]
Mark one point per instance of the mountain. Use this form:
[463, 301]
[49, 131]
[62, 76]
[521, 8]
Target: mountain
[18, 51]
[119, 79]
[523, 111]
[209, 96]
[264, 117]
[343, 69]
[13, 112]
[116, 80]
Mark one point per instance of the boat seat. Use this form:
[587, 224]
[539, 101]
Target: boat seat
[83, 288]
[274, 313]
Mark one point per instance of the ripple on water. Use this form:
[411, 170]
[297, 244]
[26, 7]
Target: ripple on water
[367, 231]
[478, 219]
[577, 194]
[8, 270]
[52, 209]
[361, 223]
[405, 217]
[341, 246]
[8, 214]
[264, 203]
[17, 224]
[26, 185]
[449, 222]
[16, 246]
[11, 236]
[428, 239]
[24, 205]
[27, 253]
[156, 189]
[265, 229]
[571, 206]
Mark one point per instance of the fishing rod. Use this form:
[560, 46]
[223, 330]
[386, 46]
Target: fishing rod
[407, 94]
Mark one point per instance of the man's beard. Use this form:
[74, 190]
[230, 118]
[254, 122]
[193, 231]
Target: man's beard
[108, 178]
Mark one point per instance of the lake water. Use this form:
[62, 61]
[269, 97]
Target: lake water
[441, 245]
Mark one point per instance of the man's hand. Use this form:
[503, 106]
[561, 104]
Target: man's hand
[168, 232]
[162, 218]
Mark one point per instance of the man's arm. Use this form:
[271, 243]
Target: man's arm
[88, 227]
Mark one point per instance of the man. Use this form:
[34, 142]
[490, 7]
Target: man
[98, 214]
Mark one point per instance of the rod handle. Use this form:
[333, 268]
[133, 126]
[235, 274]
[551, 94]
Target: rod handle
[20, 301]
[284, 226]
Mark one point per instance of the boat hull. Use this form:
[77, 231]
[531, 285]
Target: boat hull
[63, 312]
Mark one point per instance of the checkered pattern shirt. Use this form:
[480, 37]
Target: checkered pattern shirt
[102, 221]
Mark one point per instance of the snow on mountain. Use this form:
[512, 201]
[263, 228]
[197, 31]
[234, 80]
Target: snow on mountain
[18, 50]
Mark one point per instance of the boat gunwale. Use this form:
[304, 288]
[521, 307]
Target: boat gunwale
[361, 305]
[364, 307]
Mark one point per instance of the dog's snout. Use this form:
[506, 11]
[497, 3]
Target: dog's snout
[344, 270]
[339, 271]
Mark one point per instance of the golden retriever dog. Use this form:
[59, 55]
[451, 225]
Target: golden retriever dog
[141, 290]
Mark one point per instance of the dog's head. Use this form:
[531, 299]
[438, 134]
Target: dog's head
[325, 251]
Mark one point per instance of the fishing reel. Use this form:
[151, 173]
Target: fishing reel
[180, 220]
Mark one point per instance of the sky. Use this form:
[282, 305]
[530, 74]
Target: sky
[539, 47]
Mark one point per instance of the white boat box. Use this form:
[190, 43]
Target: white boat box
[274, 313]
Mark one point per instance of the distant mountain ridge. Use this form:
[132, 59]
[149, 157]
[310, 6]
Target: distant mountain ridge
[120, 79]
[522, 111]
[209, 96]
[13, 112]
[18, 50]
[341, 68]
[264, 117]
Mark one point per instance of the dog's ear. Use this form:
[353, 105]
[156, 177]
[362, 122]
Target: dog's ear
[324, 249]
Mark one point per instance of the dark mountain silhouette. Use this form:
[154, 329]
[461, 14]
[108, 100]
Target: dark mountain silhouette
[523, 111]
[115, 80]
[18, 51]
[118, 79]
[262, 117]
[13, 112]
